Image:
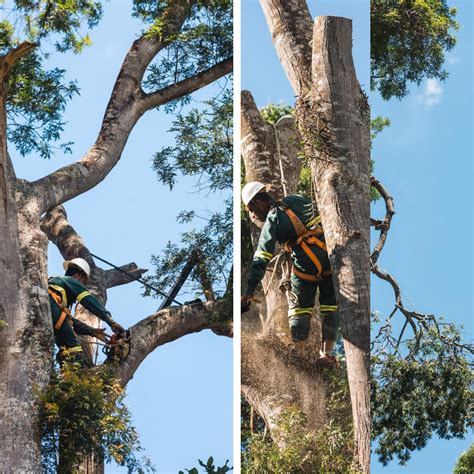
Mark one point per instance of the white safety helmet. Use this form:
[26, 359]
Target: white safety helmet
[251, 189]
[80, 263]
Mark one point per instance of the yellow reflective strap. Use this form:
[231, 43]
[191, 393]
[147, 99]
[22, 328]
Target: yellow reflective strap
[295, 311]
[72, 349]
[314, 221]
[82, 295]
[326, 308]
[62, 291]
[263, 255]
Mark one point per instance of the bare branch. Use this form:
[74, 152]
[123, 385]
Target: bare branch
[116, 278]
[384, 225]
[418, 321]
[188, 85]
[124, 109]
[168, 325]
[69, 243]
[398, 295]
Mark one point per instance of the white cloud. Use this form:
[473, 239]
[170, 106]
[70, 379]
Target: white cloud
[452, 59]
[432, 93]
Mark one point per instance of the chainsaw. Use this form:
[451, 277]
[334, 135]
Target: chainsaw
[118, 346]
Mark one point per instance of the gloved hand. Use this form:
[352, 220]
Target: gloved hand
[116, 327]
[100, 334]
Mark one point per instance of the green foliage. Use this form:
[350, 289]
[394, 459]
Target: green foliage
[300, 451]
[35, 97]
[3, 324]
[204, 40]
[60, 20]
[465, 464]
[409, 39]
[203, 146]
[292, 447]
[271, 113]
[36, 100]
[420, 387]
[377, 125]
[82, 412]
[304, 183]
[203, 150]
[209, 468]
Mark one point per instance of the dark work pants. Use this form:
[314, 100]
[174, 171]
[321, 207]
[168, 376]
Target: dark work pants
[300, 310]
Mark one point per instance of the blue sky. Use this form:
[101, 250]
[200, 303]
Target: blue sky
[425, 161]
[181, 396]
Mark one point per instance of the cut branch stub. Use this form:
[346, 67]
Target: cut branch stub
[290, 24]
[262, 154]
[115, 277]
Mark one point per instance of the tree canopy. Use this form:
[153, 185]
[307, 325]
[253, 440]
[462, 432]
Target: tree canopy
[409, 41]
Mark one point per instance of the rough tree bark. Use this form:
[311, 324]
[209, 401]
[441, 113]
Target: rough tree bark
[333, 120]
[26, 342]
[276, 372]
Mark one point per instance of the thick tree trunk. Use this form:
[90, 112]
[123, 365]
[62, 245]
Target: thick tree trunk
[276, 372]
[333, 119]
[25, 342]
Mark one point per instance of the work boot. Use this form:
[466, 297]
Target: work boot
[299, 326]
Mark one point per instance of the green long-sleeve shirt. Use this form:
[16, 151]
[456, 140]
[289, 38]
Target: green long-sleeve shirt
[279, 228]
[75, 291]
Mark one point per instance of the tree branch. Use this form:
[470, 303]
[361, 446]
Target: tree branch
[188, 85]
[426, 322]
[384, 225]
[260, 151]
[69, 243]
[8, 61]
[124, 109]
[168, 325]
[116, 278]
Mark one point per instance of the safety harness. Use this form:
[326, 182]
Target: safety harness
[61, 300]
[58, 293]
[305, 236]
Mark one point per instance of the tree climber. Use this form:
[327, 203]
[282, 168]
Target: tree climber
[294, 223]
[66, 290]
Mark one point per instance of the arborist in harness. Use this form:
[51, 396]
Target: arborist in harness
[66, 290]
[294, 222]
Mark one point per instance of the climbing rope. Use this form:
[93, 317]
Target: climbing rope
[282, 175]
[133, 277]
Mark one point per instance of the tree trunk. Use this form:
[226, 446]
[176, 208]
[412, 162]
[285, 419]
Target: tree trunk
[276, 372]
[26, 341]
[334, 121]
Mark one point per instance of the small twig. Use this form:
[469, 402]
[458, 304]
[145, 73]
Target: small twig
[425, 322]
